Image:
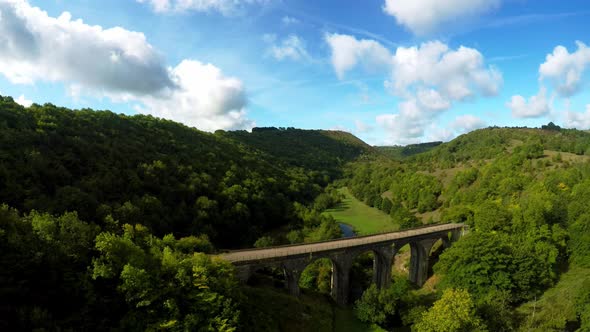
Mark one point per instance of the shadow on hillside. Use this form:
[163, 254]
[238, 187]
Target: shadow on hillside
[340, 207]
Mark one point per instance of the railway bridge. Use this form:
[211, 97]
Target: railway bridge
[293, 259]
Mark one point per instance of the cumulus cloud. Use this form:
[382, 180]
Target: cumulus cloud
[467, 123]
[427, 78]
[426, 16]
[219, 99]
[292, 47]
[537, 106]
[36, 46]
[225, 7]
[432, 100]
[578, 120]
[23, 101]
[458, 74]
[565, 69]
[116, 63]
[348, 51]
[405, 127]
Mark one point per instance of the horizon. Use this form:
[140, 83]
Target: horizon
[388, 76]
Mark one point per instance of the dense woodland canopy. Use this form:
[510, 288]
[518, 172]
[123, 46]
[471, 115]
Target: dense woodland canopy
[106, 222]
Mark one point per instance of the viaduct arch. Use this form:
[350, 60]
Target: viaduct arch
[293, 259]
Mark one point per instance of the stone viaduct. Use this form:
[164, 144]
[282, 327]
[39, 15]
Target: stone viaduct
[293, 259]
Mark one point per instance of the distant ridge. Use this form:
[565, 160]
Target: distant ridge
[326, 150]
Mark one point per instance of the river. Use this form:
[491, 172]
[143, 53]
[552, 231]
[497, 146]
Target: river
[347, 230]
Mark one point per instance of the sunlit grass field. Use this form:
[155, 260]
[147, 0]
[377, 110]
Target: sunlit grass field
[363, 218]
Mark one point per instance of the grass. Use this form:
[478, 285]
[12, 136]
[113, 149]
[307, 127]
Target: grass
[363, 218]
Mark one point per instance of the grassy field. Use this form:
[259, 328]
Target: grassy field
[363, 219]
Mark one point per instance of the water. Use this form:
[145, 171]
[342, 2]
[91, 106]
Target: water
[347, 230]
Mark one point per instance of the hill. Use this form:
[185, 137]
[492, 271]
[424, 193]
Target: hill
[110, 218]
[113, 168]
[324, 151]
[522, 192]
[403, 152]
[491, 142]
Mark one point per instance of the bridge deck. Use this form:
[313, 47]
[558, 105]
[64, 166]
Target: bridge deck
[293, 250]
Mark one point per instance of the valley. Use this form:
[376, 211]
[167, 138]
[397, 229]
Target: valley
[122, 218]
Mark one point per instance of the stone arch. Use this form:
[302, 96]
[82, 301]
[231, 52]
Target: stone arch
[364, 270]
[261, 274]
[419, 260]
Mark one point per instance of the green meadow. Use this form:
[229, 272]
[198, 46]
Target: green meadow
[363, 218]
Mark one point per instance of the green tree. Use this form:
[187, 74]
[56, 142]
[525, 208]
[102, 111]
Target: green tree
[378, 306]
[264, 241]
[492, 216]
[165, 288]
[454, 312]
[386, 205]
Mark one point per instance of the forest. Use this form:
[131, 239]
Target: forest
[107, 222]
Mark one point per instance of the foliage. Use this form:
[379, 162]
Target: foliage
[173, 179]
[323, 151]
[403, 152]
[44, 254]
[377, 306]
[264, 241]
[455, 311]
[81, 178]
[166, 288]
[560, 308]
[484, 262]
[317, 276]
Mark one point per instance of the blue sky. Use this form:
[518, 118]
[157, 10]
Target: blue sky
[389, 71]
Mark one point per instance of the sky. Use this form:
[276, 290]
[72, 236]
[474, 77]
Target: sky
[392, 72]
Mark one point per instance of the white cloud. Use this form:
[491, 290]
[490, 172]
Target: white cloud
[458, 74]
[36, 46]
[577, 119]
[426, 16]
[467, 123]
[565, 69]
[407, 126]
[205, 98]
[427, 78]
[225, 7]
[347, 52]
[537, 106]
[288, 20]
[292, 47]
[432, 100]
[24, 101]
[116, 63]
